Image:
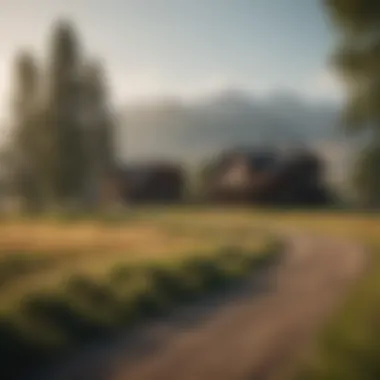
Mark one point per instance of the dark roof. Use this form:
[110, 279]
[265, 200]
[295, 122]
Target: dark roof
[269, 159]
[147, 167]
[139, 173]
[258, 158]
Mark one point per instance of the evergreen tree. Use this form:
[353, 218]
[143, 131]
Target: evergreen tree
[98, 124]
[25, 140]
[63, 114]
[358, 60]
[62, 140]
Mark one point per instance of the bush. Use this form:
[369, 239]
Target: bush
[26, 344]
[168, 283]
[208, 271]
[148, 303]
[84, 309]
[121, 274]
[92, 293]
[71, 318]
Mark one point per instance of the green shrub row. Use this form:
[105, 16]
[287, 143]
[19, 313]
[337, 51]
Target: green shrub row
[49, 325]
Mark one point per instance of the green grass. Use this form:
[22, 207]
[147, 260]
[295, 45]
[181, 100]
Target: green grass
[349, 348]
[83, 309]
[15, 265]
[180, 259]
[36, 255]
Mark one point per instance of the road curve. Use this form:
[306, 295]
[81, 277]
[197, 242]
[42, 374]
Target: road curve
[254, 332]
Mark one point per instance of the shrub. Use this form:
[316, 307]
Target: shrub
[120, 274]
[208, 271]
[26, 344]
[93, 293]
[84, 309]
[167, 282]
[145, 303]
[67, 316]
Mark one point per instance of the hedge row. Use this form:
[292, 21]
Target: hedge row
[82, 310]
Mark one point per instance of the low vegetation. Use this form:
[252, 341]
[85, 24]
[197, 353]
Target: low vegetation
[66, 285]
[349, 348]
[56, 275]
[83, 309]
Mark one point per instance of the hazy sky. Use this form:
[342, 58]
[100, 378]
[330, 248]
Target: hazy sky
[184, 47]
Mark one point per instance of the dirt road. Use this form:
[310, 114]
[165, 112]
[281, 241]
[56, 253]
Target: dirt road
[254, 332]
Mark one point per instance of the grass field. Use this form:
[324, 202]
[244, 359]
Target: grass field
[37, 256]
[64, 283]
[349, 348]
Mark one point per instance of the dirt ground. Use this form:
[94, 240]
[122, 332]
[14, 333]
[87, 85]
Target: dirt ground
[257, 331]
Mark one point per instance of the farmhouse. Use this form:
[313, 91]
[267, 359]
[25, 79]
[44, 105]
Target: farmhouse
[266, 176]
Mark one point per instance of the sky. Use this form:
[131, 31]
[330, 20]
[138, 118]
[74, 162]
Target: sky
[188, 48]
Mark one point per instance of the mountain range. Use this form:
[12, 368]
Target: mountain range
[171, 127]
[190, 131]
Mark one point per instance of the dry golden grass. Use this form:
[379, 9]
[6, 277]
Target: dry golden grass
[92, 247]
[352, 225]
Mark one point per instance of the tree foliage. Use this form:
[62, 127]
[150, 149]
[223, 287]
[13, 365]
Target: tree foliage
[355, 16]
[25, 151]
[97, 120]
[62, 129]
[367, 178]
[357, 58]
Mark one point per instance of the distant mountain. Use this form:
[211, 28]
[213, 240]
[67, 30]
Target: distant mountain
[173, 128]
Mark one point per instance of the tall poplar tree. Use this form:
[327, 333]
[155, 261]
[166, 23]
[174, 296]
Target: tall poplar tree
[99, 126]
[26, 140]
[63, 113]
[62, 135]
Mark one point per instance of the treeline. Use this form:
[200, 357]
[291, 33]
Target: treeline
[357, 58]
[61, 142]
[61, 151]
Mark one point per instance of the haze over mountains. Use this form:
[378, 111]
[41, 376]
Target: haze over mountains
[169, 127]
[193, 130]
